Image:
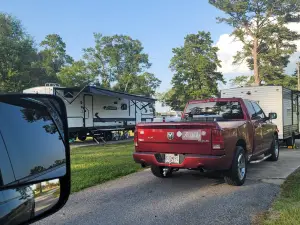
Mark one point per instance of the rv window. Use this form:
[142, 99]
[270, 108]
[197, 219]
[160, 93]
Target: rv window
[124, 107]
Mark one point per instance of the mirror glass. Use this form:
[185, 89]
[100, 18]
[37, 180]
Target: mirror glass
[32, 147]
[272, 116]
[23, 203]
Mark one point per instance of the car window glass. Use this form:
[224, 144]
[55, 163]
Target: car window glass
[34, 128]
[223, 110]
[11, 194]
[249, 108]
[6, 172]
[259, 112]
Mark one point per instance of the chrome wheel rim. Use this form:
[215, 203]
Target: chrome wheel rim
[276, 148]
[241, 166]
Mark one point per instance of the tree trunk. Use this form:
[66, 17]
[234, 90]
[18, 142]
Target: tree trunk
[255, 62]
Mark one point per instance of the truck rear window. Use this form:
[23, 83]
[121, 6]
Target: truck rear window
[214, 111]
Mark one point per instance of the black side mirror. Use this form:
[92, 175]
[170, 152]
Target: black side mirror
[272, 116]
[34, 157]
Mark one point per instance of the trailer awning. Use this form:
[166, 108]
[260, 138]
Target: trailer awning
[101, 91]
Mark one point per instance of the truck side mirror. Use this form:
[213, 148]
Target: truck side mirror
[34, 157]
[272, 116]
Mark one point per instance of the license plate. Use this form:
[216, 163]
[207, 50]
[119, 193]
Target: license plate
[191, 135]
[171, 158]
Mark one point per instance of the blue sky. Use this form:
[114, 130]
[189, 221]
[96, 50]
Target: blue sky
[159, 24]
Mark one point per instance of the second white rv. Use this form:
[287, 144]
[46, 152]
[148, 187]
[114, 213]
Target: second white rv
[278, 99]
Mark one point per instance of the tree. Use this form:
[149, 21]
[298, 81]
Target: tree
[116, 58]
[195, 71]
[53, 57]
[260, 26]
[241, 81]
[17, 53]
[76, 75]
[144, 84]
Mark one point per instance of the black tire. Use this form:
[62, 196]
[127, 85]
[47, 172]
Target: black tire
[108, 136]
[82, 138]
[274, 151]
[236, 176]
[158, 172]
[290, 141]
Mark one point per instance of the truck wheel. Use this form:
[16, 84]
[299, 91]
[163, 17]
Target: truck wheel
[158, 172]
[237, 174]
[274, 150]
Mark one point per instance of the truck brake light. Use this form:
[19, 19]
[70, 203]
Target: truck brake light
[136, 138]
[217, 139]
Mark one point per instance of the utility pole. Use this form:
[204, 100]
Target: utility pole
[298, 69]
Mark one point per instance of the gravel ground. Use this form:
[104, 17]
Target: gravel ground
[187, 198]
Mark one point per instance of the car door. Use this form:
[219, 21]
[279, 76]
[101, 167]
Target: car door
[265, 126]
[257, 129]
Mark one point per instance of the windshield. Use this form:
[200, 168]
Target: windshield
[228, 110]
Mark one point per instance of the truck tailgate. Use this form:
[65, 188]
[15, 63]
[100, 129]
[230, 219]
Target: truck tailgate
[178, 138]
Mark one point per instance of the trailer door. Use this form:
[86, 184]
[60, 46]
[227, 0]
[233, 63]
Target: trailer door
[88, 111]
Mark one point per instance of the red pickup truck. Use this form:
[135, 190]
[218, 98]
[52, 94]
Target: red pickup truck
[222, 134]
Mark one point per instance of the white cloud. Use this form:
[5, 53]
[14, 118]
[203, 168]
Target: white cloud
[295, 57]
[228, 47]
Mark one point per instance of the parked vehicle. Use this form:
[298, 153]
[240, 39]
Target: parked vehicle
[221, 134]
[172, 116]
[40, 153]
[96, 112]
[16, 205]
[277, 99]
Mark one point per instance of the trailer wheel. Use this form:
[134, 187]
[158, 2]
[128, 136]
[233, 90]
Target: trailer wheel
[108, 136]
[82, 138]
[290, 141]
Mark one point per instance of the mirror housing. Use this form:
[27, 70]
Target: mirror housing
[34, 156]
[272, 116]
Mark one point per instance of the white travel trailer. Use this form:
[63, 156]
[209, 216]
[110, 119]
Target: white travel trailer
[278, 99]
[97, 112]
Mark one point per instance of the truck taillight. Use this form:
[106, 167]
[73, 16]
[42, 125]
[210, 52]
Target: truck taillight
[135, 138]
[217, 139]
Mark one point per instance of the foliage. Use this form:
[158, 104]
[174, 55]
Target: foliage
[116, 62]
[17, 53]
[195, 71]
[260, 26]
[76, 75]
[115, 57]
[144, 84]
[53, 57]
[285, 210]
[242, 80]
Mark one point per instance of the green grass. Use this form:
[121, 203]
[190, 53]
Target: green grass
[96, 164]
[286, 208]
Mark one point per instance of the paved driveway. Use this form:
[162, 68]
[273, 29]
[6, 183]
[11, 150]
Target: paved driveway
[187, 198]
